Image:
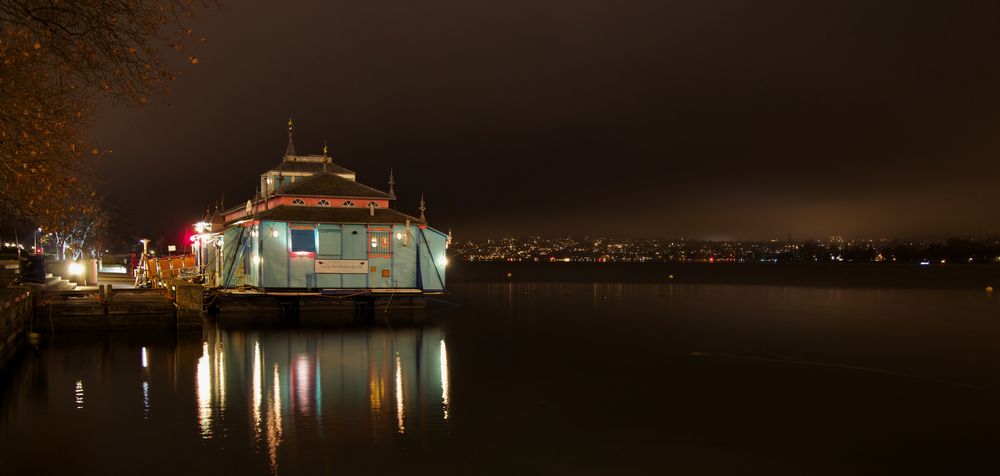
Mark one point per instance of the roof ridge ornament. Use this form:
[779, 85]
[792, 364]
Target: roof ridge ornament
[392, 183]
[423, 208]
[290, 149]
[326, 158]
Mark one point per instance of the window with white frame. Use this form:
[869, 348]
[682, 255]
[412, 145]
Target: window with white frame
[347, 203]
[323, 203]
[298, 201]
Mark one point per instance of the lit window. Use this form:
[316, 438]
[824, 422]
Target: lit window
[381, 243]
[298, 201]
[303, 241]
[323, 203]
[347, 203]
[373, 204]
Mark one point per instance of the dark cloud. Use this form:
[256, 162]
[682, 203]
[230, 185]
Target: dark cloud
[709, 118]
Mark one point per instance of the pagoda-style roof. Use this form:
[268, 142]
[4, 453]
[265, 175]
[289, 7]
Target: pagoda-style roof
[312, 167]
[328, 184]
[359, 215]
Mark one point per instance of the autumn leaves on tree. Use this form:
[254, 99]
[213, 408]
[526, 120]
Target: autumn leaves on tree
[58, 61]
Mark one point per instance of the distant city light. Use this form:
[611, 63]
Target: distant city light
[78, 393]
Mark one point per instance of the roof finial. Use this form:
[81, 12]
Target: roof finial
[325, 158]
[392, 183]
[423, 208]
[290, 150]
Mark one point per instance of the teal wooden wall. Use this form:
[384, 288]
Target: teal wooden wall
[231, 243]
[329, 246]
[355, 240]
[420, 264]
[432, 259]
[274, 253]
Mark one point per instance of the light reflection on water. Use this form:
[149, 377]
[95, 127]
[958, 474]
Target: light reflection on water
[257, 389]
[444, 378]
[346, 371]
[203, 378]
[274, 421]
[569, 377]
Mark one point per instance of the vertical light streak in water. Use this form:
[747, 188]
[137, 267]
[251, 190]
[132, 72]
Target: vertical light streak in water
[145, 400]
[79, 394]
[277, 398]
[258, 388]
[376, 388]
[220, 381]
[400, 410]
[318, 391]
[444, 378]
[274, 422]
[144, 360]
[203, 382]
[302, 382]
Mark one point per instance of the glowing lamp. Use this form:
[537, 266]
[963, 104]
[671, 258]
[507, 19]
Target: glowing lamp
[75, 268]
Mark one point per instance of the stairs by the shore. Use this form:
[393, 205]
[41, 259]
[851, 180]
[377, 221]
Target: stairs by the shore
[57, 283]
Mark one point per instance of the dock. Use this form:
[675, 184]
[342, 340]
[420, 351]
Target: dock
[58, 304]
[108, 308]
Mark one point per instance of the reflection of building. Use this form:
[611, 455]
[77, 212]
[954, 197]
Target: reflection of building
[323, 387]
[312, 225]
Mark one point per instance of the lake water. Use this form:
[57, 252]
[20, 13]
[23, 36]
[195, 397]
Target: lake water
[552, 371]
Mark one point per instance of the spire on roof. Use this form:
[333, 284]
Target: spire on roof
[392, 182]
[290, 150]
[325, 158]
[423, 208]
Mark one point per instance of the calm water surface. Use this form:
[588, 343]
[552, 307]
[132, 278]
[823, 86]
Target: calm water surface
[534, 377]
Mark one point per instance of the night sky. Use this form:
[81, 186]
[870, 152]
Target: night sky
[696, 119]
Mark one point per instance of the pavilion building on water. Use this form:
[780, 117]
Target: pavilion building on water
[314, 227]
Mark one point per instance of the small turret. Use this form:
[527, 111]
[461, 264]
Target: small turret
[423, 208]
[392, 184]
[290, 150]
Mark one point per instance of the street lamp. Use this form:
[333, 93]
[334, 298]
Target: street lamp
[39, 230]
